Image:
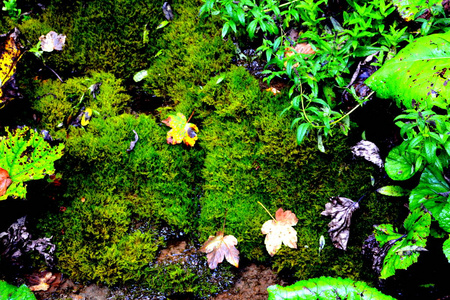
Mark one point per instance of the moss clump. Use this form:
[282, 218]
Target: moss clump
[104, 35]
[61, 103]
[192, 52]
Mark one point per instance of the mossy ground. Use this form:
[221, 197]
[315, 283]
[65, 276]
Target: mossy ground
[115, 201]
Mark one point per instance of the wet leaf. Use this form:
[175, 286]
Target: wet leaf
[409, 8]
[86, 117]
[369, 151]
[52, 41]
[393, 190]
[10, 53]
[404, 249]
[5, 181]
[422, 68]
[26, 156]
[340, 209]
[219, 246]
[280, 231]
[181, 130]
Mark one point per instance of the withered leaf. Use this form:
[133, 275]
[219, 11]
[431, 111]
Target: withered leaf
[369, 151]
[340, 209]
[219, 246]
[280, 231]
[52, 41]
[181, 130]
[5, 181]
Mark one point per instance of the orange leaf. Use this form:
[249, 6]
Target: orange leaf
[5, 181]
[280, 231]
[301, 48]
[219, 246]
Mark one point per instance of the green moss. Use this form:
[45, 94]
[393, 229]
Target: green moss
[192, 52]
[61, 103]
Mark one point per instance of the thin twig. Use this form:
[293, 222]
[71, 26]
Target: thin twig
[191, 116]
[267, 211]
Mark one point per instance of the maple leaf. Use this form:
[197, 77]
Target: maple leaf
[280, 231]
[10, 53]
[181, 131]
[52, 41]
[219, 246]
[340, 209]
[5, 181]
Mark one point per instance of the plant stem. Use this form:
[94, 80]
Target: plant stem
[190, 116]
[267, 211]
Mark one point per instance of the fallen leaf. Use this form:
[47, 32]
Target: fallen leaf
[5, 181]
[86, 117]
[41, 281]
[52, 41]
[10, 53]
[273, 90]
[280, 231]
[340, 209]
[369, 151]
[133, 143]
[181, 130]
[219, 246]
[301, 48]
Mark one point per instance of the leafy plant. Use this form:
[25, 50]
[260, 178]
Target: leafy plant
[327, 288]
[403, 249]
[14, 13]
[11, 292]
[26, 156]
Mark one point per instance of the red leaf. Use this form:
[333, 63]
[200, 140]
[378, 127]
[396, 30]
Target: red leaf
[5, 181]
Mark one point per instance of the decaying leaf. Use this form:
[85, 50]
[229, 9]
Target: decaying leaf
[5, 181]
[219, 246]
[52, 41]
[10, 53]
[300, 48]
[17, 240]
[133, 143]
[280, 231]
[368, 151]
[340, 209]
[181, 130]
[41, 281]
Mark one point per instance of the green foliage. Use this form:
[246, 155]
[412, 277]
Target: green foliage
[410, 9]
[404, 248]
[326, 288]
[421, 67]
[60, 104]
[401, 164]
[192, 52]
[10, 292]
[14, 13]
[446, 248]
[364, 31]
[26, 156]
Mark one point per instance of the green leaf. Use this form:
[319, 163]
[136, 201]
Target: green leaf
[326, 288]
[446, 248]
[162, 24]
[417, 226]
[393, 190]
[431, 192]
[409, 8]
[302, 131]
[11, 292]
[26, 156]
[399, 164]
[421, 68]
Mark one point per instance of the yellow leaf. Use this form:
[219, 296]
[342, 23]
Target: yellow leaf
[181, 130]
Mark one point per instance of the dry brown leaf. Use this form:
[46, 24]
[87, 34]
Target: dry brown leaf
[340, 209]
[219, 246]
[303, 48]
[280, 231]
[41, 281]
[5, 181]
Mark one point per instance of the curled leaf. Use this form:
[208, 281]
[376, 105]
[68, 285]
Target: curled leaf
[5, 181]
[219, 246]
[133, 143]
[52, 41]
[280, 231]
[340, 209]
[181, 130]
